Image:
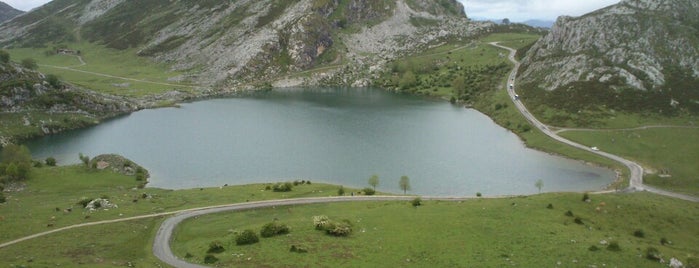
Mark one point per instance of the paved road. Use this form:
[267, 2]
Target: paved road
[564, 129]
[163, 251]
[636, 176]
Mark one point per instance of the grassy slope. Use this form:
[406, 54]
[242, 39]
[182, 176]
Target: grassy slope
[480, 232]
[105, 61]
[475, 233]
[674, 151]
[32, 210]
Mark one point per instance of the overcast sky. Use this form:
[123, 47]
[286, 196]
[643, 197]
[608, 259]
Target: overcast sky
[521, 10]
[515, 10]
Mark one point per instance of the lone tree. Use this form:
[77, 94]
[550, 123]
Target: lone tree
[404, 184]
[506, 21]
[85, 159]
[539, 184]
[374, 181]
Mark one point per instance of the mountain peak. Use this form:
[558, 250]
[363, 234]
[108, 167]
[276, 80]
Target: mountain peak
[8, 12]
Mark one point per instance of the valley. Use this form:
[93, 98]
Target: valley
[619, 81]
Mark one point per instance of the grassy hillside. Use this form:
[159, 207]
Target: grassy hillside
[670, 154]
[490, 232]
[518, 231]
[118, 72]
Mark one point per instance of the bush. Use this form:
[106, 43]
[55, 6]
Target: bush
[369, 191]
[29, 63]
[417, 202]
[247, 237]
[593, 248]
[664, 241]
[51, 161]
[339, 228]
[209, 259]
[282, 187]
[3, 199]
[54, 81]
[84, 201]
[341, 191]
[4, 57]
[38, 164]
[639, 233]
[653, 254]
[478, 194]
[298, 249]
[320, 222]
[274, 228]
[550, 206]
[323, 223]
[578, 220]
[569, 213]
[586, 198]
[613, 246]
[216, 247]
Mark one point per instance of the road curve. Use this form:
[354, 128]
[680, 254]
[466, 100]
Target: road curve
[636, 176]
[161, 244]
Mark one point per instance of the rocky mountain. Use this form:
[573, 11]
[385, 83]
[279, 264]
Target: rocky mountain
[234, 44]
[7, 12]
[636, 55]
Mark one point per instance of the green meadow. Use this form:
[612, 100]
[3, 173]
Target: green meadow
[119, 72]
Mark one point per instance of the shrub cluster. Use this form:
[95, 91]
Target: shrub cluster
[653, 254]
[215, 247]
[247, 237]
[210, 259]
[639, 233]
[613, 246]
[323, 223]
[283, 187]
[274, 228]
[417, 202]
[369, 191]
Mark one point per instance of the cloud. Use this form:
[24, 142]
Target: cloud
[521, 10]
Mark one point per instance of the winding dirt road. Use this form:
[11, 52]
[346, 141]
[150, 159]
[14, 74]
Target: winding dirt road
[636, 176]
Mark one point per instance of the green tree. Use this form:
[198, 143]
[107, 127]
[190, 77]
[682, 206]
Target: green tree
[539, 184]
[341, 191]
[459, 86]
[4, 57]
[374, 181]
[404, 184]
[29, 63]
[408, 80]
[54, 81]
[16, 162]
[85, 159]
[51, 162]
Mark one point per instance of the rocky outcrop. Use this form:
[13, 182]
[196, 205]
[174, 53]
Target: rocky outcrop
[7, 12]
[648, 45]
[249, 42]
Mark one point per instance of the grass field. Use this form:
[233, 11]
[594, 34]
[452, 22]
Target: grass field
[152, 78]
[671, 154]
[50, 188]
[477, 233]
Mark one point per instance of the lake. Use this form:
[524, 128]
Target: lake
[339, 136]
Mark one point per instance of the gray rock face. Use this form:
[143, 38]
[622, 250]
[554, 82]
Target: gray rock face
[7, 12]
[232, 44]
[634, 44]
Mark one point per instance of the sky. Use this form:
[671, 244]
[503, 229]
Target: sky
[522, 10]
[515, 10]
